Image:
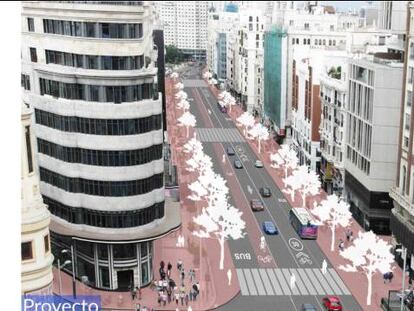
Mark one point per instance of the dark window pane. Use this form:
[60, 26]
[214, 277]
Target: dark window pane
[27, 252]
[33, 55]
[30, 24]
[29, 149]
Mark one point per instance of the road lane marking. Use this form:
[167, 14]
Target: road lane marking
[281, 279]
[325, 285]
[258, 281]
[242, 282]
[266, 282]
[250, 282]
[275, 283]
[306, 281]
[315, 282]
[339, 281]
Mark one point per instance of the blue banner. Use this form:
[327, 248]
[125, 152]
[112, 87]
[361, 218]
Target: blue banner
[60, 303]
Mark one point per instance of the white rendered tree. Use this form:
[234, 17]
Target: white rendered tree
[226, 99]
[369, 254]
[207, 75]
[212, 81]
[293, 183]
[333, 212]
[221, 221]
[187, 120]
[181, 95]
[247, 121]
[285, 157]
[310, 183]
[179, 86]
[183, 104]
[260, 132]
[174, 75]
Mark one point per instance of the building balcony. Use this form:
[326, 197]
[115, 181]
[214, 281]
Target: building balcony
[402, 200]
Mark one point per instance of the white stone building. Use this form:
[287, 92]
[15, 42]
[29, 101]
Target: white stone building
[37, 258]
[88, 70]
[372, 125]
[185, 25]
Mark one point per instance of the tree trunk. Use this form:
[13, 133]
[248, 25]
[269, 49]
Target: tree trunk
[369, 293]
[188, 130]
[304, 199]
[258, 142]
[221, 241]
[286, 170]
[333, 238]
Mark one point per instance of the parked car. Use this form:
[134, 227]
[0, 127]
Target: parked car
[258, 163]
[223, 109]
[332, 303]
[230, 151]
[308, 307]
[238, 164]
[265, 192]
[256, 205]
[270, 228]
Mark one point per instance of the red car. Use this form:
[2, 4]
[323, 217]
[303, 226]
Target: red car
[256, 205]
[332, 303]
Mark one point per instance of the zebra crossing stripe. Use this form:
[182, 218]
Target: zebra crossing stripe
[258, 281]
[308, 284]
[274, 282]
[299, 283]
[282, 281]
[265, 278]
[325, 285]
[314, 281]
[250, 282]
[339, 281]
[242, 282]
[332, 283]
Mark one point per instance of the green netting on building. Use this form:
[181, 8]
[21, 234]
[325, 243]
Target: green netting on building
[273, 75]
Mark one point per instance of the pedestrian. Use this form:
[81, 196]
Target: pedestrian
[133, 293]
[137, 307]
[139, 292]
[182, 275]
[292, 281]
[229, 276]
[159, 298]
[164, 285]
[324, 266]
[190, 295]
[186, 299]
[182, 295]
[348, 234]
[341, 245]
[191, 275]
[179, 264]
[162, 264]
[164, 299]
[169, 294]
[176, 297]
[198, 287]
[169, 268]
[161, 270]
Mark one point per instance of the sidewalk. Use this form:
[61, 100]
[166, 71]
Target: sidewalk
[356, 281]
[214, 287]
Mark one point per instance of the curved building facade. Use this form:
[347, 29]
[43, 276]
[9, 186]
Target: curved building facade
[89, 72]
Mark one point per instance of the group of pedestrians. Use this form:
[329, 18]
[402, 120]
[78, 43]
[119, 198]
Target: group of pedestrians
[137, 293]
[349, 235]
[169, 291]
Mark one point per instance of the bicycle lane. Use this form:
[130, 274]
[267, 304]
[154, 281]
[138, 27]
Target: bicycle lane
[244, 255]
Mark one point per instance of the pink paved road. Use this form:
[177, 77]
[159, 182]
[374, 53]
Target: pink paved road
[356, 282]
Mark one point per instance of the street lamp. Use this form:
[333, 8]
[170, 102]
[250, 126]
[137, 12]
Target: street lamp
[403, 252]
[65, 251]
[67, 262]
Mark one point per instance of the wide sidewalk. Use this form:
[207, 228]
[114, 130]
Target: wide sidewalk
[356, 281]
[214, 287]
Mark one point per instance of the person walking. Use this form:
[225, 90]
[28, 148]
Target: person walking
[169, 268]
[139, 291]
[324, 266]
[182, 296]
[292, 281]
[341, 245]
[348, 234]
[137, 307]
[191, 275]
[179, 264]
[186, 299]
[176, 297]
[133, 293]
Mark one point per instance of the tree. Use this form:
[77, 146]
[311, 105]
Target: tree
[183, 104]
[173, 55]
[333, 212]
[247, 121]
[222, 221]
[187, 120]
[285, 157]
[293, 183]
[174, 75]
[369, 254]
[260, 132]
[227, 99]
[212, 81]
[207, 75]
[181, 95]
[303, 181]
[179, 86]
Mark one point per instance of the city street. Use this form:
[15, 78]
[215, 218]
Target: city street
[260, 273]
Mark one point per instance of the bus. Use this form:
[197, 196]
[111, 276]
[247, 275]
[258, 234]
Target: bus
[303, 223]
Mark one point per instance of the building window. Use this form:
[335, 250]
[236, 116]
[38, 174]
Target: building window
[25, 81]
[46, 241]
[30, 24]
[29, 149]
[33, 55]
[331, 27]
[306, 26]
[403, 178]
[27, 251]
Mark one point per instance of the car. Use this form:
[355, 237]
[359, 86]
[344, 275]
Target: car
[265, 192]
[230, 151]
[308, 307]
[238, 164]
[223, 109]
[332, 303]
[258, 163]
[256, 205]
[270, 228]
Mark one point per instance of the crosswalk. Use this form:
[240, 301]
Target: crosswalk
[222, 135]
[194, 83]
[277, 282]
